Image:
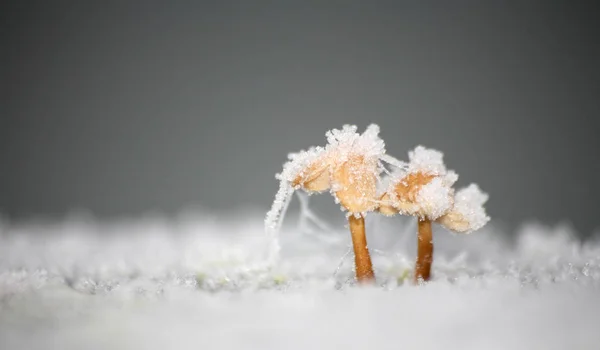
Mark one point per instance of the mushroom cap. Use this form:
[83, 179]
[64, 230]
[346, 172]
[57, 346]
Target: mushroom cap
[354, 167]
[314, 177]
[423, 195]
[355, 183]
[468, 213]
[348, 166]
[424, 188]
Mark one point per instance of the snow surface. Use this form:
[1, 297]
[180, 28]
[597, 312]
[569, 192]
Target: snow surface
[190, 282]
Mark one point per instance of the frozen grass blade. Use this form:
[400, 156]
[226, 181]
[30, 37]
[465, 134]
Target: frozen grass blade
[274, 220]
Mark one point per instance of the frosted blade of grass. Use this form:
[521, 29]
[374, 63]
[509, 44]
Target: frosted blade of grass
[342, 259]
[274, 219]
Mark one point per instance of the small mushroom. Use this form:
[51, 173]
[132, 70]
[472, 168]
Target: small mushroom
[349, 167]
[424, 190]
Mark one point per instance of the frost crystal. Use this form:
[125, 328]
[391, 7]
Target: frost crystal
[468, 213]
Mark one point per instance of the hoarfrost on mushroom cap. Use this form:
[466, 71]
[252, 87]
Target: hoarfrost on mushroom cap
[469, 202]
[424, 187]
[347, 141]
[426, 160]
[298, 162]
[355, 167]
[434, 199]
[468, 213]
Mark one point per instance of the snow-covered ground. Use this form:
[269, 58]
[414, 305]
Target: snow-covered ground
[199, 282]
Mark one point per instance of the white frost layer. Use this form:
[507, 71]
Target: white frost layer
[188, 283]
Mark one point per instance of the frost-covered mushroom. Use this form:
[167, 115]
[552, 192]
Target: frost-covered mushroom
[349, 167]
[424, 189]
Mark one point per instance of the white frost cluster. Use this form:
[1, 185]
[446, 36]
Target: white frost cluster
[347, 141]
[426, 160]
[435, 198]
[468, 213]
[430, 161]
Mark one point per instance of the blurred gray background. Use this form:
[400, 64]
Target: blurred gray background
[122, 108]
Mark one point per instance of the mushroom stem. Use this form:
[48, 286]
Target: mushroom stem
[424, 251]
[362, 259]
